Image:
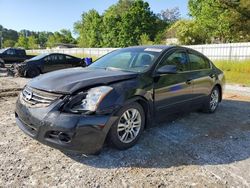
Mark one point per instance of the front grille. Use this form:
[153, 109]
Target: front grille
[38, 98]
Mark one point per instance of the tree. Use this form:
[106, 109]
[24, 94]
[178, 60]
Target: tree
[42, 38]
[145, 40]
[188, 32]
[121, 25]
[51, 42]
[62, 37]
[8, 43]
[8, 35]
[89, 29]
[22, 42]
[222, 19]
[67, 36]
[32, 42]
[124, 25]
[170, 15]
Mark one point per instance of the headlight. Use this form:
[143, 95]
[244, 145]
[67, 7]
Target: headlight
[91, 100]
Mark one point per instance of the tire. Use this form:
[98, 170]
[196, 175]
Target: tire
[128, 125]
[212, 103]
[32, 72]
[2, 65]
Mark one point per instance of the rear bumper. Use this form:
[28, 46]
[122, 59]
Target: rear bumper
[63, 131]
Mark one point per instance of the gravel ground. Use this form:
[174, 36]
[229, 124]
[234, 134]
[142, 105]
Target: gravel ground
[195, 150]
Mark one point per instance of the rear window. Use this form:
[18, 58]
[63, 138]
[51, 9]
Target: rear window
[20, 52]
[69, 57]
[197, 62]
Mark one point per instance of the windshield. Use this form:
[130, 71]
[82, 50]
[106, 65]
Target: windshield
[38, 57]
[2, 50]
[129, 59]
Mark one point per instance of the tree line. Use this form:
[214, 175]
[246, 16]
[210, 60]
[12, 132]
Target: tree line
[131, 22]
[33, 40]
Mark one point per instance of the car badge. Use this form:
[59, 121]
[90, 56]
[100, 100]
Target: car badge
[28, 96]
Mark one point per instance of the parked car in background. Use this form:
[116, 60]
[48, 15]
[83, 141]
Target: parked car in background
[2, 65]
[117, 96]
[14, 55]
[48, 62]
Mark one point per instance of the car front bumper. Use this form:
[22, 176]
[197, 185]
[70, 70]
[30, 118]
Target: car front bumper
[64, 131]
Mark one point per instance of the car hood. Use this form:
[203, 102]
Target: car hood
[68, 81]
[27, 61]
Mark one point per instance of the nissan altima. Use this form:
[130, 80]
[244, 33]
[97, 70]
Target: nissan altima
[117, 97]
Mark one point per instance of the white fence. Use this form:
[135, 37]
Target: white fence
[230, 51]
[97, 52]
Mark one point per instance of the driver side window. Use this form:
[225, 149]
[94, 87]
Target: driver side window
[179, 59]
[10, 52]
[47, 59]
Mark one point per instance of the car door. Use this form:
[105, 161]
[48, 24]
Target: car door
[20, 55]
[71, 61]
[50, 63]
[57, 62]
[202, 76]
[172, 92]
[62, 63]
[9, 56]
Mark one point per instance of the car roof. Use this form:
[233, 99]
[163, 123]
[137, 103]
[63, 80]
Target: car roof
[55, 53]
[163, 47]
[16, 48]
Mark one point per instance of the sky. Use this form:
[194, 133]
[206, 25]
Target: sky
[54, 15]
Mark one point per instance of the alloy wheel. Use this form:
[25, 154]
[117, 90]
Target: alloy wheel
[214, 100]
[129, 125]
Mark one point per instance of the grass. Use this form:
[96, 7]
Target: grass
[236, 72]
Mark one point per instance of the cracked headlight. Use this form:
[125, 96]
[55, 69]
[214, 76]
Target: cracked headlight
[91, 100]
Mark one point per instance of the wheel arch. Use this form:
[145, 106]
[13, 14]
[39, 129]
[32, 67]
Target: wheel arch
[30, 68]
[146, 107]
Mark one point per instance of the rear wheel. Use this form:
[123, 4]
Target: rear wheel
[32, 72]
[128, 128]
[213, 101]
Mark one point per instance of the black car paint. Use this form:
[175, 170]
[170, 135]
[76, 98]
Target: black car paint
[17, 55]
[69, 81]
[44, 66]
[159, 95]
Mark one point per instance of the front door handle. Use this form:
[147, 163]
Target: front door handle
[189, 81]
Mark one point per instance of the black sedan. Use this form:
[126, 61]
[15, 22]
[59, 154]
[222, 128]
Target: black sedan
[117, 97]
[48, 62]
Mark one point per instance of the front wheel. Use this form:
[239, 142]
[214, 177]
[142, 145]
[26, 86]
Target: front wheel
[2, 65]
[129, 126]
[32, 72]
[213, 101]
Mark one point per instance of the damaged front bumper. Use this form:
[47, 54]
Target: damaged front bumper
[64, 131]
[20, 69]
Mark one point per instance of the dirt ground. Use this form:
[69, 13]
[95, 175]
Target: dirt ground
[195, 150]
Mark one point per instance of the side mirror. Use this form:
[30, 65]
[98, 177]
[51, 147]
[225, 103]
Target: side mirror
[88, 61]
[167, 69]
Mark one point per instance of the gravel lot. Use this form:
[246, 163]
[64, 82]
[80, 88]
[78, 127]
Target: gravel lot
[195, 150]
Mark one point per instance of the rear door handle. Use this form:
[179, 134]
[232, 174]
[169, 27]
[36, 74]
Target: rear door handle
[189, 81]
